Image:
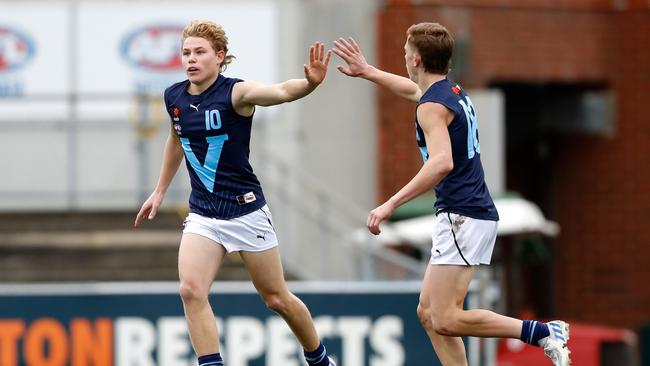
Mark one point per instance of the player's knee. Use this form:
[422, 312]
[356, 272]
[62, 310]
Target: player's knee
[445, 325]
[278, 303]
[190, 291]
[425, 317]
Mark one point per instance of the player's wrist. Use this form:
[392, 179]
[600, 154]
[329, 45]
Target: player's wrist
[368, 71]
[313, 84]
[393, 202]
[160, 191]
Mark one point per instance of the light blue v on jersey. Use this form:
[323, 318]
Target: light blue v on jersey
[216, 144]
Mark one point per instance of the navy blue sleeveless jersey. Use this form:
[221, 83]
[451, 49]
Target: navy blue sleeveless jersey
[216, 144]
[463, 191]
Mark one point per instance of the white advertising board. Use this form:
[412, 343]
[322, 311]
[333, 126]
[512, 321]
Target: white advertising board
[34, 60]
[69, 76]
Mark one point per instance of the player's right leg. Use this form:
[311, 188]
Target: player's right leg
[450, 350]
[199, 259]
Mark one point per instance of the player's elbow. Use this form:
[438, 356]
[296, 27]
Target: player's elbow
[446, 165]
[439, 165]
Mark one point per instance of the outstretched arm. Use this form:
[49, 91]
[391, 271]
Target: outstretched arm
[434, 119]
[172, 158]
[358, 67]
[248, 94]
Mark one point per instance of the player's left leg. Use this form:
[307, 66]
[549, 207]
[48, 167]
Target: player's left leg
[447, 288]
[265, 269]
[448, 285]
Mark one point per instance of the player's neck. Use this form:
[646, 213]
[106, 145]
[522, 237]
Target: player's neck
[425, 80]
[198, 88]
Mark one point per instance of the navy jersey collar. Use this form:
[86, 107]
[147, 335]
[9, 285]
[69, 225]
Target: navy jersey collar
[220, 79]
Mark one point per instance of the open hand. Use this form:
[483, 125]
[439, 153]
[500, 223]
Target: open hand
[317, 69]
[351, 54]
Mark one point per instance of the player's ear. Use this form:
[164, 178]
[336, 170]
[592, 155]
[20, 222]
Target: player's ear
[221, 55]
[417, 60]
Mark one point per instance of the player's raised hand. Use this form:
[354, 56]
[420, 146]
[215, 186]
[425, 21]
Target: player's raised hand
[350, 52]
[149, 208]
[378, 215]
[317, 69]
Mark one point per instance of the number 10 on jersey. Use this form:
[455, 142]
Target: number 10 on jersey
[212, 120]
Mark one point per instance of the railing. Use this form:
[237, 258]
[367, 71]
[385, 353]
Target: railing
[71, 152]
[326, 233]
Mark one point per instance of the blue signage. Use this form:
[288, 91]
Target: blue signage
[142, 324]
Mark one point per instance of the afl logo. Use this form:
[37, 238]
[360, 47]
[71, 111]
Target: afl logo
[16, 49]
[154, 47]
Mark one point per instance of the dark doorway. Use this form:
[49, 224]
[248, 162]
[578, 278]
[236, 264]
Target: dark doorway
[537, 118]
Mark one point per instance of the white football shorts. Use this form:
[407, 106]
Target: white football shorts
[249, 233]
[462, 240]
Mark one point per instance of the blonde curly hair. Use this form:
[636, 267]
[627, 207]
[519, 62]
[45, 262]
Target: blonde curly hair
[214, 34]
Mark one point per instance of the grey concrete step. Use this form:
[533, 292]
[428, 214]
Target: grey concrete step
[86, 220]
[98, 255]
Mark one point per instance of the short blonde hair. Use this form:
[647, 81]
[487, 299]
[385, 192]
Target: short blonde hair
[434, 43]
[214, 34]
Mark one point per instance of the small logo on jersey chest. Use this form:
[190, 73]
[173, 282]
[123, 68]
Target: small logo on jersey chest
[196, 107]
[176, 113]
[177, 127]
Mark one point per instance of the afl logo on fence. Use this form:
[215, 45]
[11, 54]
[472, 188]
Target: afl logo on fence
[154, 47]
[16, 49]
